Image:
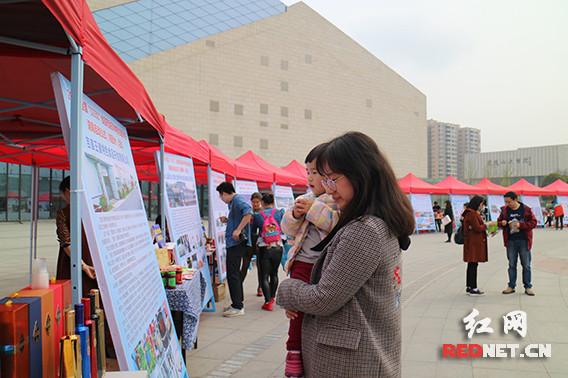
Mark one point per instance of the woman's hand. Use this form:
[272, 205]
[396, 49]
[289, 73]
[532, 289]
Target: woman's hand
[290, 314]
[89, 271]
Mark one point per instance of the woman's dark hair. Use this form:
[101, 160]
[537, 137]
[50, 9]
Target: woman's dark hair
[475, 202]
[256, 195]
[449, 205]
[357, 157]
[315, 153]
[226, 187]
[65, 184]
[268, 198]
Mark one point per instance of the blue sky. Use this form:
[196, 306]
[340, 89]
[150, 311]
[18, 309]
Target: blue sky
[499, 66]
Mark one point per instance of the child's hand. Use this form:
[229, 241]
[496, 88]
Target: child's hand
[302, 206]
[291, 314]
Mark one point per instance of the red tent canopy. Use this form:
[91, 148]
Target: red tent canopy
[279, 176]
[452, 185]
[488, 187]
[523, 187]
[219, 161]
[33, 44]
[559, 187]
[297, 169]
[412, 184]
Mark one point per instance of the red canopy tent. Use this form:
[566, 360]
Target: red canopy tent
[297, 169]
[414, 185]
[279, 176]
[452, 185]
[488, 187]
[559, 187]
[523, 187]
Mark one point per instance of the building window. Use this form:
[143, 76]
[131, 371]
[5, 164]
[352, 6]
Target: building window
[308, 59]
[284, 111]
[214, 139]
[214, 106]
[263, 108]
[239, 109]
[210, 43]
[284, 126]
[238, 141]
[263, 124]
[264, 61]
[307, 113]
[284, 65]
[369, 103]
[284, 86]
[264, 144]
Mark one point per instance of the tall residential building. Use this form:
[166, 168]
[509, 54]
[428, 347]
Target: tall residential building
[469, 142]
[442, 149]
[447, 145]
[256, 74]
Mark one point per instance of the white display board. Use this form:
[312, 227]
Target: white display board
[563, 200]
[423, 212]
[495, 203]
[183, 217]
[246, 189]
[120, 243]
[534, 203]
[283, 196]
[457, 205]
[218, 209]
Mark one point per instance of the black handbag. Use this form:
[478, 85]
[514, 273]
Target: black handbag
[458, 237]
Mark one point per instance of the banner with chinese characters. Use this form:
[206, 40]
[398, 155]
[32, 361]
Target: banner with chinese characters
[458, 202]
[283, 197]
[423, 212]
[246, 189]
[120, 243]
[495, 203]
[534, 203]
[217, 210]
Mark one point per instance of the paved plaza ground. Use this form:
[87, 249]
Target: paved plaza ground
[434, 304]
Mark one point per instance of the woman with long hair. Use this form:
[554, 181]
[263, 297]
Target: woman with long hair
[449, 228]
[475, 242]
[352, 304]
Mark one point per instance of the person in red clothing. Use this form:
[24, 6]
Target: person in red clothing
[517, 221]
[559, 215]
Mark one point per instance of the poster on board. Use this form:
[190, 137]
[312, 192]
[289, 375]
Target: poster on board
[495, 203]
[534, 203]
[458, 201]
[283, 196]
[563, 200]
[423, 212]
[218, 209]
[120, 243]
[182, 211]
[246, 189]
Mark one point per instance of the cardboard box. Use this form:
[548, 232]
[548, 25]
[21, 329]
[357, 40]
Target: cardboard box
[34, 332]
[48, 329]
[15, 330]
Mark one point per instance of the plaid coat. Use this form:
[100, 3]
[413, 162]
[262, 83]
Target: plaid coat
[352, 326]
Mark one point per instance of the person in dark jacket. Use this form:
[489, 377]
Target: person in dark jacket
[449, 228]
[475, 242]
[517, 221]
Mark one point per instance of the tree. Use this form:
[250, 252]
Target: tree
[550, 178]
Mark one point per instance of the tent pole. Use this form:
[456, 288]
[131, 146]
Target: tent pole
[33, 218]
[77, 67]
[162, 187]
